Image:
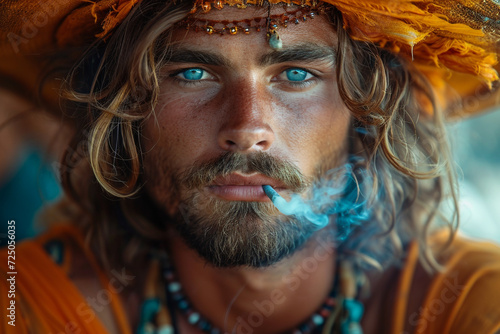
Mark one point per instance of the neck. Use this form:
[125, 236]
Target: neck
[264, 300]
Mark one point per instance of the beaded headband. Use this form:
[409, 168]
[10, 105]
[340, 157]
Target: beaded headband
[270, 23]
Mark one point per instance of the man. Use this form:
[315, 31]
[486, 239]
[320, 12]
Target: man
[187, 113]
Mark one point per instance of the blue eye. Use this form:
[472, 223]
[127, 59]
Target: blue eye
[296, 74]
[193, 74]
[296, 79]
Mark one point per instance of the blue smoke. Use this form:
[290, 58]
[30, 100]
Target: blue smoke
[342, 193]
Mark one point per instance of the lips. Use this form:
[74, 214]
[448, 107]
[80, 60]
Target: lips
[238, 187]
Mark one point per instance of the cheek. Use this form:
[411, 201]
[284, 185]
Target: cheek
[179, 132]
[332, 129]
[172, 141]
[316, 128]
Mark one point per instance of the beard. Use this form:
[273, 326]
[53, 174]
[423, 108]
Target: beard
[229, 234]
[236, 233]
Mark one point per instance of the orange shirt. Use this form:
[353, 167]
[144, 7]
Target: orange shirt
[46, 300]
[464, 299]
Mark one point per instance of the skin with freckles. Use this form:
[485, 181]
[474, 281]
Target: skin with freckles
[232, 97]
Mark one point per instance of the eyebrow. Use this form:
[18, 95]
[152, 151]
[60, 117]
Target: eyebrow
[179, 55]
[300, 52]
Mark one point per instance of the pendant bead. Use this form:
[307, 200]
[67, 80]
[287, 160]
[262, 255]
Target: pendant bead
[275, 41]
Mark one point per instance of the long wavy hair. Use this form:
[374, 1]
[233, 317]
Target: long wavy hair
[115, 87]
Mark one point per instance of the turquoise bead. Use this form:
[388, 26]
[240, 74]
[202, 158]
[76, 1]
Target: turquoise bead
[193, 318]
[174, 287]
[149, 310]
[183, 304]
[355, 309]
[355, 312]
[354, 328]
[165, 329]
[317, 320]
[275, 41]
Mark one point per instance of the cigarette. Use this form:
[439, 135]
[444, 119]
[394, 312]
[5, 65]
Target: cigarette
[279, 202]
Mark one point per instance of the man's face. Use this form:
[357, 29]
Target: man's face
[234, 115]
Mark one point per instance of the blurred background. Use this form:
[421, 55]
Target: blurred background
[476, 145]
[31, 145]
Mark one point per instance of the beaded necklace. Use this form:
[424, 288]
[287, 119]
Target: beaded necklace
[194, 318]
[156, 317]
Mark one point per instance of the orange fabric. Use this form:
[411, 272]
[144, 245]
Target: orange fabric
[29, 27]
[46, 300]
[117, 16]
[403, 289]
[463, 299]
[32, 32]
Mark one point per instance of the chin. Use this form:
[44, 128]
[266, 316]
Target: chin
[240, 234]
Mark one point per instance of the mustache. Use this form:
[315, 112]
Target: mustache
[204, 173]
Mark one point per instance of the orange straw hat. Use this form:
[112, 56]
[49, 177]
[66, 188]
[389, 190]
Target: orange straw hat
[455, 43]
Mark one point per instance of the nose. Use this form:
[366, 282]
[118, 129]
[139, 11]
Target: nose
[246, 126]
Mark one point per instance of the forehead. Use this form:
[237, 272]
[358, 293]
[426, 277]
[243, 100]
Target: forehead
[317, 30]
